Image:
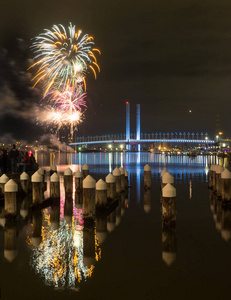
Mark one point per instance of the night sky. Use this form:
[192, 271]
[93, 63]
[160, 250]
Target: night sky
[169, 56]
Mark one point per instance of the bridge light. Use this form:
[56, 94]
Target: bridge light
[110, 146]
[121, 147]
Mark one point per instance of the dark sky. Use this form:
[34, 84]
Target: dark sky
[169, 56]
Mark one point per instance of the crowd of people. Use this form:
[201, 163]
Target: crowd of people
[15, 161]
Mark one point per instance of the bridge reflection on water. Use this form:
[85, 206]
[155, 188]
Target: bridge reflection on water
[105, 162]
[182, 167]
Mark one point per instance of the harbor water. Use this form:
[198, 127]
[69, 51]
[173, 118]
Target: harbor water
[53, 257]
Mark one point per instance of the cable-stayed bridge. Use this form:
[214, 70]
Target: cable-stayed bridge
[139, 138]
[169, 137]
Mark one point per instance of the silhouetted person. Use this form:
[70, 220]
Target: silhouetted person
[27, 162]
[21, 162]
[1, 162]
[33, 163]
[5, 161]
[13, 155]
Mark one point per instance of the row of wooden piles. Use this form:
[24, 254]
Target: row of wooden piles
[90, 194]
[103, 204]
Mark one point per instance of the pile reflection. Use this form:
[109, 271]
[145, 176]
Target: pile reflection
[221, 210]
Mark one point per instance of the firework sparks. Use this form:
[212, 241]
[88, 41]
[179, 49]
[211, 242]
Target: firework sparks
[69, 100]
[58, 118]
[63, 58]
[65, 108]
[63, 55]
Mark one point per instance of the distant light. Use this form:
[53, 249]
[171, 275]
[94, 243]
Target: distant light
[110, 146]
[127, 102]
[220, 133]
[121, 147]
[190, 111]
[223, 145]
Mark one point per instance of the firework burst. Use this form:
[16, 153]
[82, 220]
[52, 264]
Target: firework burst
[63, 58]
[52, 116]
[68, 100]
[63, 55]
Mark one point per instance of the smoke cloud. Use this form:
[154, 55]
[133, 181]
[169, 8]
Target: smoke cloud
[52, 140]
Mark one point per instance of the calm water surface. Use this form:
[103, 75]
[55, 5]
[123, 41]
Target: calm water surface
[55, 259]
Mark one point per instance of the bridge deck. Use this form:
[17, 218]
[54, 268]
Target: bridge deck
[142, 141]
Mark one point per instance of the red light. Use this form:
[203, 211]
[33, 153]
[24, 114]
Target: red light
[127, 102]
[30, 152]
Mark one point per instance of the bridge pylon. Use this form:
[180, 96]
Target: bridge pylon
[138, 125]
[128, 146]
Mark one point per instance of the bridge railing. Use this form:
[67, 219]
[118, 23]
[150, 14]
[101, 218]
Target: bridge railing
[146, 136]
